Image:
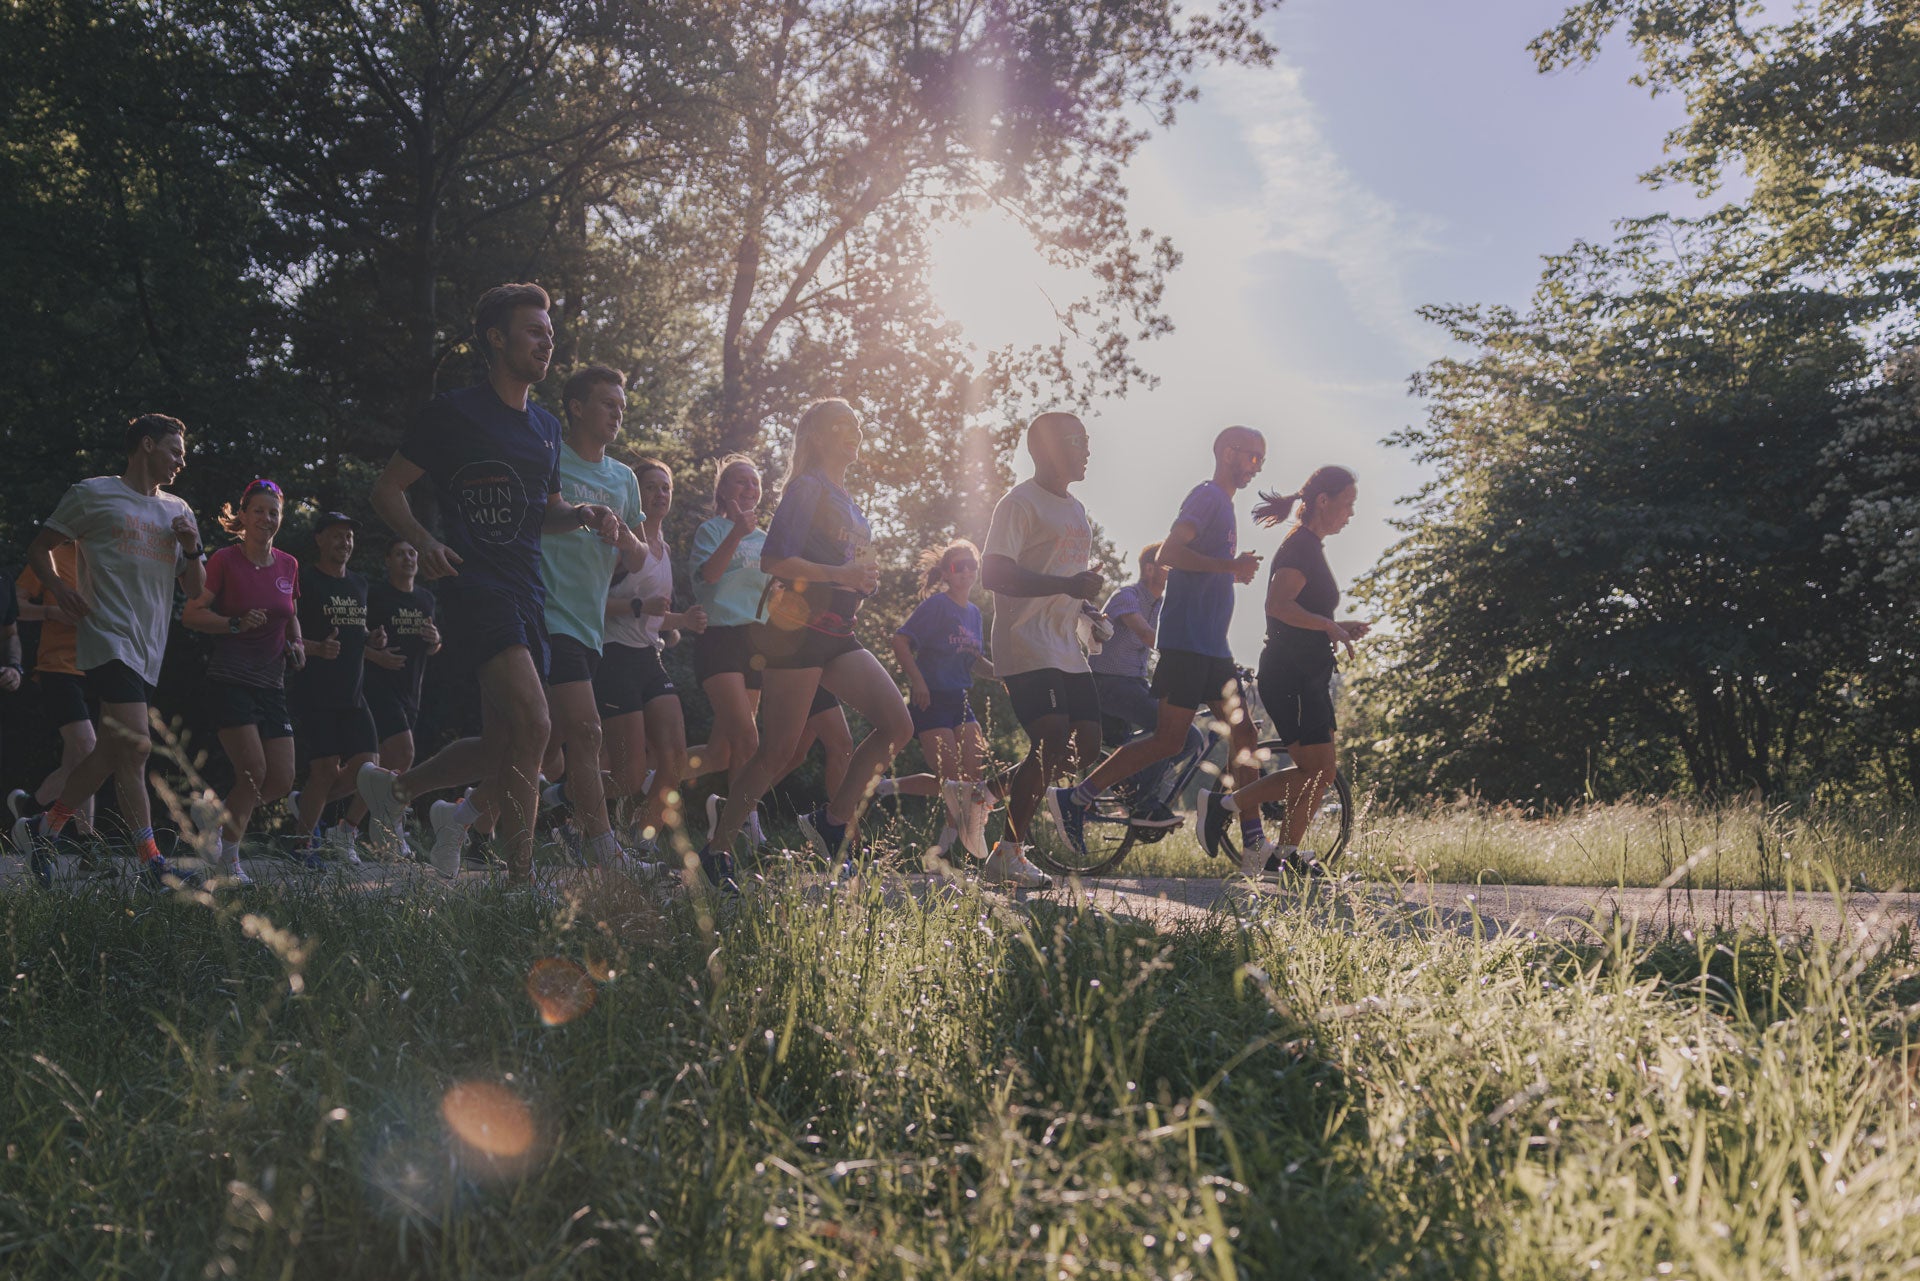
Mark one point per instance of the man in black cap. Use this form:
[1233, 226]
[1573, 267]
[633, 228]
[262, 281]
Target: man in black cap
[331, 722]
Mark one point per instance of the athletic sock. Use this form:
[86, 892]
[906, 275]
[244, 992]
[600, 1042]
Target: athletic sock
[229, 850]
[1251, 833]
[466, 812]
[1086, 794]
[144, 845]
[1230, 802]
[602, 848]
[887, 787]
[57, 816]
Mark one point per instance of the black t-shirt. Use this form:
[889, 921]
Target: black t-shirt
[9, 606]
[492, 468]
[405, 616]
[329, 604]
[1303, 550]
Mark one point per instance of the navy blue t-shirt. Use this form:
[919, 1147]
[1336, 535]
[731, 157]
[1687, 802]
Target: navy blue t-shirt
[1303, 550]
[328, 605]
[492, 468]
[946, 640]
[817, 521]
[1199, 606]
[404, 617]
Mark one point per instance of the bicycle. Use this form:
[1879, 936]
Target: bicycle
[1113, 829]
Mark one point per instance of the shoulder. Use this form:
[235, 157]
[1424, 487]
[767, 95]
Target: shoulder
[285, 561]
[544, 418]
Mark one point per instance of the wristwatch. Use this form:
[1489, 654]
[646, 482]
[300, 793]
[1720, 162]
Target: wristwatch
[233, 625]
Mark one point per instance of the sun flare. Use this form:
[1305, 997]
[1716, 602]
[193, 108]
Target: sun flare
[988, 277]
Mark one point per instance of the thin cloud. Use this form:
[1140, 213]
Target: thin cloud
[1313, 206]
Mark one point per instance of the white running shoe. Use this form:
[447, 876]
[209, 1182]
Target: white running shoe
[449, 838]
[713, 816]
[1008, 865]
[968, 805]
[340, 843]
[754, 834]
[20, 803]
[1253, 861]
[385, 809]
[235, 872]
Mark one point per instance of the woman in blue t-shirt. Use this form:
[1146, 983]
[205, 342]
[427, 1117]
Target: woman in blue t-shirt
[938, 648]
[817, 552]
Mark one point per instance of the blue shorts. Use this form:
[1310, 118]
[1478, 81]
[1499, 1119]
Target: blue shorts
[946, 709]
[480, 622]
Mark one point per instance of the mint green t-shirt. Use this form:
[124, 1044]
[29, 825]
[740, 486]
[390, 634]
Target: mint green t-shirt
[576, 566]
[735, 599]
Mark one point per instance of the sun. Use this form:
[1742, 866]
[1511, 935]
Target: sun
[988, 277]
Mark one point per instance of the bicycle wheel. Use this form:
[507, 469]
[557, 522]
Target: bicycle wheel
[1332, 825]
[1109, 834]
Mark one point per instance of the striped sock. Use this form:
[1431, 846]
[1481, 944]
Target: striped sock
[57, 816]
[1086, 794]
[144, 845]
[1251, 833]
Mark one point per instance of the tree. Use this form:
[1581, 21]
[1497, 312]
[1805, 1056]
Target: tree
[1819, 103]
[1621, 576]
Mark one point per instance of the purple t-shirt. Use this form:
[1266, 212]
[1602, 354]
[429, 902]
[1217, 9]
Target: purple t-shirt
[817, 521]
[257, 657]
[946, 640]
[1199, 606]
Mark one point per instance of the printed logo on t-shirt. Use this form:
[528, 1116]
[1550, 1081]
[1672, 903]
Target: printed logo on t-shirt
[491, 499]
[148, 541]
[284, 586]
[407, 621]
[344, 610]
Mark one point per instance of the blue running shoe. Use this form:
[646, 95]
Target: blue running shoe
[158, 874]
[28, 840]
[1070, 816]
[717, 867]
[826, 836]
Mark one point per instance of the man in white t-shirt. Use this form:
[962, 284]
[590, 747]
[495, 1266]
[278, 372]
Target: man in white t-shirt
[1036, 565]
[135, 542]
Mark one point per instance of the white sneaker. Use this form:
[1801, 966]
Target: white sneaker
[1008, 865]
[713, 816]
[449, 838]
[968, 805]
[754, 834]
[233, 871]
[385, 809]
[19, 803]
[340, 841]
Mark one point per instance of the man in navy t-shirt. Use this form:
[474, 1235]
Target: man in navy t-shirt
[492, 458]
[1196, 664]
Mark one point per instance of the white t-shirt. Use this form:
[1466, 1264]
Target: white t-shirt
[655, 578]
[1047, 534]
[129, 559]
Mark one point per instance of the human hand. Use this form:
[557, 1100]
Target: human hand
[602, 520]
[70, 602]
[297, 654]
[328, 648]
[430, 633]
[656, 606]
[921, 697]
[1355, 627]
[253, 618]
[185, 532]
[1086, 585]
[744, 518]
[9, 679]
[695, 620]
[390, 659]
[862, 576]
[1245, 566]
[1340, 636]
[437, 560]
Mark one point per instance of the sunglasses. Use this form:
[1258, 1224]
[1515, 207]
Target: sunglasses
[959, 565]
[258, 485]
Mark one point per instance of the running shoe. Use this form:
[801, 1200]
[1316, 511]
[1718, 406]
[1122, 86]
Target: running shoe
[754, 833]
[1008, 865]
[340, 841]
[20, 803]
[968, 804]
[713, 815]
[1070, 816]
[1262, 862]
[234, 872]
[1215, 819]
[449, 836]
[158, 874]
[1155, 815]
[717, 867]
[37, 850]
[826, 836]
[385, 809]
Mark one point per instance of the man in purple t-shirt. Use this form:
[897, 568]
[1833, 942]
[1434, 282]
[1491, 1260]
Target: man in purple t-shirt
[1196, 664]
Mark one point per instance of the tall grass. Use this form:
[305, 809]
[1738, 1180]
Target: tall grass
[323, 1083]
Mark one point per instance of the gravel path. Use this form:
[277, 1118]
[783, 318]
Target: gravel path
[1167, 902]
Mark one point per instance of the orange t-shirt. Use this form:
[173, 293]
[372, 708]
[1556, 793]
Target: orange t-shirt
[57, 640]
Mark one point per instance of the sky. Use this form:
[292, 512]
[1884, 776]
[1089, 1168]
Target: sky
[1398, 153]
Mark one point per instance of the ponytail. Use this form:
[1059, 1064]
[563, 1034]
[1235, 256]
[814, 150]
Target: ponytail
[1273, 508]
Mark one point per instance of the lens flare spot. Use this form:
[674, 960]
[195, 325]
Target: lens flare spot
[561, 990]
[488, 1118]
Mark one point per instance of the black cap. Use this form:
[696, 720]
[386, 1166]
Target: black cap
[327, 520]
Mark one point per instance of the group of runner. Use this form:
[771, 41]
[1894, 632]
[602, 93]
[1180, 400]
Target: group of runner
[554, 598]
